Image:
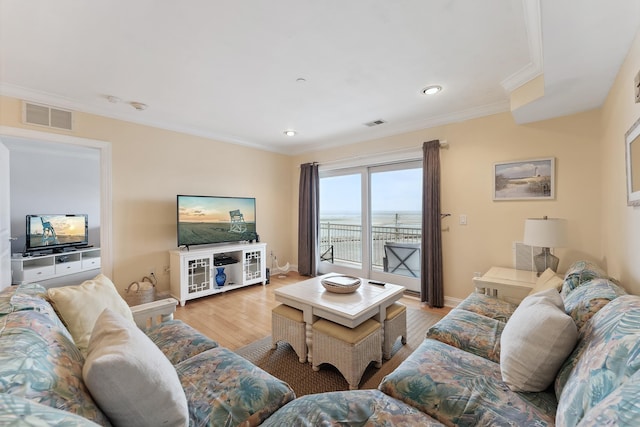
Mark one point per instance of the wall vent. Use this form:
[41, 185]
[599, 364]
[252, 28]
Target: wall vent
[43, 115]
[523, 256]
[375, 123]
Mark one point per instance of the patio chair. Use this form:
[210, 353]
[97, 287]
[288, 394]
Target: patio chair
[402, 258]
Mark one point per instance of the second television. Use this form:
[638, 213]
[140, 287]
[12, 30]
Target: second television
[204, 220]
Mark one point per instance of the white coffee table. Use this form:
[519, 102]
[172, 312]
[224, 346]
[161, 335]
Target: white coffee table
[350, 310]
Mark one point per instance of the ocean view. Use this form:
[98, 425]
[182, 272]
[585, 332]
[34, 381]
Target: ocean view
[410, 219]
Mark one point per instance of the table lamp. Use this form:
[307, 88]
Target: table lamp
[545, 233]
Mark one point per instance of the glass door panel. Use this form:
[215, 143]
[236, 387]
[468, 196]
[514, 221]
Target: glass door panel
[341, 223]
[396, 223]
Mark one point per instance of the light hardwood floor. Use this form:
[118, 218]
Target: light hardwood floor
[239, 317]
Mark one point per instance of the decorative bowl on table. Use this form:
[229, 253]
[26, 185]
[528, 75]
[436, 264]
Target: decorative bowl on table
[341, 284]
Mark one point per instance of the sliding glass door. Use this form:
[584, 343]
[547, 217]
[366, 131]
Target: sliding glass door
[370, 222]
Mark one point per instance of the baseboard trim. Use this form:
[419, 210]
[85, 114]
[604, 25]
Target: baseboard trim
[451, 302]
[448, 301]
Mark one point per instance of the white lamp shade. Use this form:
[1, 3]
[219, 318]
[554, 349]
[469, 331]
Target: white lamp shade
[546, 232]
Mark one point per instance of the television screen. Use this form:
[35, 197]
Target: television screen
[56, 232]
[210, 219]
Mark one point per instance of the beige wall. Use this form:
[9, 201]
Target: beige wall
[467, 167]
[150, 166]
[621, 223]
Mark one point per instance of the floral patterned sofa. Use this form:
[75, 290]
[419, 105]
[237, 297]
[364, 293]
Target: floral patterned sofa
[462, 375]
[456, 377]
[42, 380]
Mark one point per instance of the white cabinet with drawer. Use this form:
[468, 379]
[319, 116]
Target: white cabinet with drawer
[45, 267]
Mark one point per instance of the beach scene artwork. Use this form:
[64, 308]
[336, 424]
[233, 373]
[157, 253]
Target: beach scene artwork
[524, 180]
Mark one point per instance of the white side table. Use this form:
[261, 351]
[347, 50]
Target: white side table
[508, 284]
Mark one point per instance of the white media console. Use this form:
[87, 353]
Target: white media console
[56, 268]
[193, 272]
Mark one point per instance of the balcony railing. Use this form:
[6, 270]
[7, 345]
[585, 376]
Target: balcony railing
[342, 243]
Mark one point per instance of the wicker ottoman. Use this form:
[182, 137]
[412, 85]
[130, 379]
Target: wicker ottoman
[287, 324]
[395, 325]
[350, 350]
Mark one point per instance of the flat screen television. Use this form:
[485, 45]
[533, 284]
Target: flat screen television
[56, 232]
[204, 220]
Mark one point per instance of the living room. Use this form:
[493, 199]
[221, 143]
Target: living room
[133, 168]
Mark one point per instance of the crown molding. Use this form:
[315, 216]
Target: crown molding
[415, 126]
[58, 101]
[534, 68]
[391, 130]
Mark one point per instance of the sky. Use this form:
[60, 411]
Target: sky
[399, 190]
[214, 209]
[524, 169]
[62, 224]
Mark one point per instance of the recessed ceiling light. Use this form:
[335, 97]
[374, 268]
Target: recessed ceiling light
[290, 132]
[138, 105]
[431, 90]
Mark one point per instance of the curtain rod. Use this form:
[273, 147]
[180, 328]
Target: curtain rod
[443, 144]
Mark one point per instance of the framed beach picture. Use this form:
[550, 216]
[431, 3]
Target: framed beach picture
[524, 180]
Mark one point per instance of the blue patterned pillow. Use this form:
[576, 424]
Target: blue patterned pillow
[179, 341]
[354, 407]
[620, 408]
[607, 356]
[223, 388]
[16, 298]
[40, 362]
[588, 299]
[580, 272]
[17, 411]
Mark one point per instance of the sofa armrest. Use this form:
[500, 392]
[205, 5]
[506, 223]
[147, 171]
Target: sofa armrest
[510, 292]
[506, 283]
[149, 314]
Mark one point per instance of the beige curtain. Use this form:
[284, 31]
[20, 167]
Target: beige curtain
[308, 200]
[431, 283]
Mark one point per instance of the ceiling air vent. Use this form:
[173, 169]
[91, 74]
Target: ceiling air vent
[375, 123]
[42, 115]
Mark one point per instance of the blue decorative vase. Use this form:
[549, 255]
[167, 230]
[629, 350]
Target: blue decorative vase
[220, 276]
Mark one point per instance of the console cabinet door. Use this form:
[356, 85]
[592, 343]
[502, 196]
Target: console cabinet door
[198, 278]
[253, 266]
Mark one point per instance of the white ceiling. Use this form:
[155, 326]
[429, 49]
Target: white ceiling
[228, 70]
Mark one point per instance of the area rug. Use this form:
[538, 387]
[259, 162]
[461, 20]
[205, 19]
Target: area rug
[283, 362]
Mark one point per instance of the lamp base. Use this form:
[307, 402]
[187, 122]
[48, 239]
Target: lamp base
[544, 260]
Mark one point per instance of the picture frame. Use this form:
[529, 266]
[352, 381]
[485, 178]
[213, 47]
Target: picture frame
[532, 179]
[632, 160]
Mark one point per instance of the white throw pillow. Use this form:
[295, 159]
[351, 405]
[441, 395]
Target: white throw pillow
[131, 380]
[535, 342]
[79, 306]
